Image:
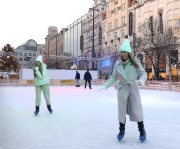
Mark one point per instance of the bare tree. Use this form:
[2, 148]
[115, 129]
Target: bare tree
[157, 41]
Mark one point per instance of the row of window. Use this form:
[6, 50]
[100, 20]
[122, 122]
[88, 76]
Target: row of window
[121, 33]
[123, 22]
[173, 14]
[115, 11]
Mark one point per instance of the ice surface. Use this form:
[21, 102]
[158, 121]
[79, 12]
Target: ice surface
[85, 119]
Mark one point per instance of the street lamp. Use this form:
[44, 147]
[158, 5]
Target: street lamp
[92, 56]
[93, 9]
[56, 51]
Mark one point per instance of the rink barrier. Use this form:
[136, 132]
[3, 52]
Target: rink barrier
[158, 85]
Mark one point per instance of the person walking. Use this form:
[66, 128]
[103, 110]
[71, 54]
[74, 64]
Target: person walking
[77, 77]
[87, 78]
[128, 73]
[41, 82]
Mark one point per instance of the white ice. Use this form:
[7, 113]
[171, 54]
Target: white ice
[85, 119]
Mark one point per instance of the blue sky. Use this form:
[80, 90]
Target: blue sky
[29, 19]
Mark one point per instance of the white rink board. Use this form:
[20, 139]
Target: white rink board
[27, 74]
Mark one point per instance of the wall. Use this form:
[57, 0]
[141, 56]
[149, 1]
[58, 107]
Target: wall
[26, 74]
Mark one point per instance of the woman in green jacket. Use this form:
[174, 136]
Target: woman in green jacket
[128, 73]
[41, 82]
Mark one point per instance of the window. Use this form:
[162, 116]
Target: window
[145, 7]
[150, 8]
[139, 12]
[170, 1]
[115, 35]
[170, 15]
[109, 26]
[115, 24]
[109, 37]
[109, 14]
[104, 28]
[103, 39]
[122, 33]
[131, 3]
[160, 3]
[116, 11]
[122, 21]
[176, 14]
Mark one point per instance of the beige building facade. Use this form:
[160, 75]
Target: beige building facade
[170, 12]
[54, 44]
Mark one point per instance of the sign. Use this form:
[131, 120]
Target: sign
[134, 40]
[161, 22]
[82, 42]
[160, 69]
[30, 81]
[67, 82]
[148, 69]
[151, 25]
[130, 23]
[100, 35]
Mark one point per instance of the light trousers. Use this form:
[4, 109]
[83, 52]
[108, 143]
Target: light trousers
[46, 92]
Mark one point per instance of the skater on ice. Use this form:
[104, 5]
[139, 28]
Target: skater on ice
[87, 78]
[41, 82]
[128, 73]
[77, 77]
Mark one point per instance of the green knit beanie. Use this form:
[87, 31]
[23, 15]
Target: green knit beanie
[125, 46]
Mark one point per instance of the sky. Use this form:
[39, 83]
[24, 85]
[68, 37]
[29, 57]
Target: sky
[22, 20]
[85, 119]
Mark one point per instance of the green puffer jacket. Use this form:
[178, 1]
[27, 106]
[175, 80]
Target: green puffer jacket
[41, 79]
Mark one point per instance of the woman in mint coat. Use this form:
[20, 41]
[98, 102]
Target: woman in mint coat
[128, 73]
[41, 82]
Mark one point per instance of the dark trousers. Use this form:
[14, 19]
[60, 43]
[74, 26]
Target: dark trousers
[89, 82]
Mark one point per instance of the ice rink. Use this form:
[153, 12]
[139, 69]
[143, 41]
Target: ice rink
[85, 119]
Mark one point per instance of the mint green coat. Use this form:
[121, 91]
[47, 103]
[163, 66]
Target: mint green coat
[129, 100]
[41, 79]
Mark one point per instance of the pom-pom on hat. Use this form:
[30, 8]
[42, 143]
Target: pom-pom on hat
[125, 46]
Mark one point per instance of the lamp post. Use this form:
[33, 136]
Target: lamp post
[56, 51]
[93, 9]
[92, 55]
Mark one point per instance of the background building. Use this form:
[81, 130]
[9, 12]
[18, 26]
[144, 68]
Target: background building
[167, 13]
[27, 53]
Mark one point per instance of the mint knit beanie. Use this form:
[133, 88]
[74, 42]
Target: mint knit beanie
[125, 46]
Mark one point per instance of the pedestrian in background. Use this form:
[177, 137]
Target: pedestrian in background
[129, 73]
[41, 82]
[87, 78]
[77, 77]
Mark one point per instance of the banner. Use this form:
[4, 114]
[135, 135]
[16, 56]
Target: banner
[67, 82]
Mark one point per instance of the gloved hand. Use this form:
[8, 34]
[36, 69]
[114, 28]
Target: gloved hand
[36, 68]
[140, 82]
[102, 88]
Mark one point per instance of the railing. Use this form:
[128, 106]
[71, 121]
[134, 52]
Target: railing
[160, 85]
[154, 85]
